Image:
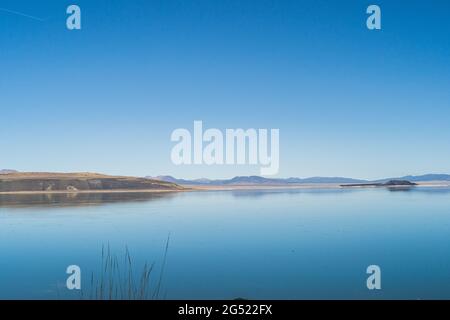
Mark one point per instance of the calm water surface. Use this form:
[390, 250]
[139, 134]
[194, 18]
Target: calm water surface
[223, 245]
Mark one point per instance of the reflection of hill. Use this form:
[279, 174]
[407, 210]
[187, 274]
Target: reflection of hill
[78, 199]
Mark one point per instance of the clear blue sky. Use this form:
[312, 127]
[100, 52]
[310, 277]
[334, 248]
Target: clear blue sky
[348, 101]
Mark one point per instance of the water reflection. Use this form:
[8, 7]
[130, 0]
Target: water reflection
[266, 244]
[403, 188]
[254, 193]
[78, 199]
[89, 199]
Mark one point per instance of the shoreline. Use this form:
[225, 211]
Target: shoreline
[192, 188]
[94, 191]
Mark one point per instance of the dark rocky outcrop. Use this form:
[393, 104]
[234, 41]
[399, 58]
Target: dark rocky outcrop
[399, 183]
[390, 183]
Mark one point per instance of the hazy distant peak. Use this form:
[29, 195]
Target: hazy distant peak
[428, 177]
[258, 180]
[7, 171]
[423, 178]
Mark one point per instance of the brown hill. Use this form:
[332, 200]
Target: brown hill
[72, 182]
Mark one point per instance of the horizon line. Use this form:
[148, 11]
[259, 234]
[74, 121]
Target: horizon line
[226, 178]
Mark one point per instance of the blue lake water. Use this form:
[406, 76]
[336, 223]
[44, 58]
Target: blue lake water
[284, 244]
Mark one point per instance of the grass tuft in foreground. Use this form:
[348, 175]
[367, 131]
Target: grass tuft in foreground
[120, 279]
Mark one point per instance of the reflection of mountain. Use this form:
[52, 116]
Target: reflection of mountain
[259, 193]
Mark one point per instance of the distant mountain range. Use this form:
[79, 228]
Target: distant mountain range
[257, 180]
[423, 178]
[7, 171]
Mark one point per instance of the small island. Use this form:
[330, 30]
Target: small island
[390, 183]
